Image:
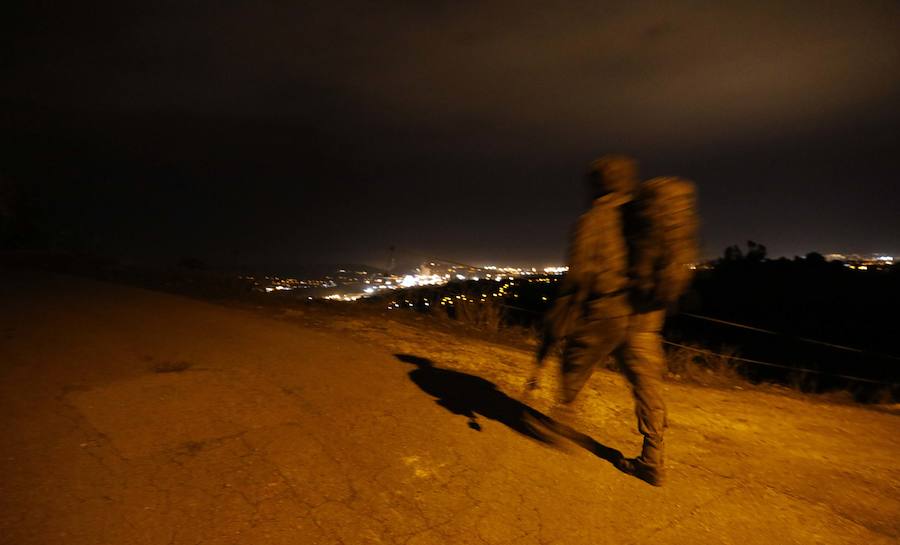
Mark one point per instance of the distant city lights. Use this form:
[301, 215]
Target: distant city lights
[862, 262]
[349, 285]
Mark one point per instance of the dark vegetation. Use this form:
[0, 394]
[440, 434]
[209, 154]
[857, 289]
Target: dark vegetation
[851, 313]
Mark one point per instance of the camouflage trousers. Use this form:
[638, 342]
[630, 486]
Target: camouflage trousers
[635, 341]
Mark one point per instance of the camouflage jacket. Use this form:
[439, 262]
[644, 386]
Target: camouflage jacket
[598, 258]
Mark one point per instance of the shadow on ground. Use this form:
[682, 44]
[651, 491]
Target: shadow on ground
[471, 396]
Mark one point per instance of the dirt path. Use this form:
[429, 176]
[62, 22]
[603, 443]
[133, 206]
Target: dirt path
[136, 417]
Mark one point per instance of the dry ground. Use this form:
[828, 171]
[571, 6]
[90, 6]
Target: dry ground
[135, 417]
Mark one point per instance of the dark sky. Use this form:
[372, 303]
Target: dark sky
[300, 132]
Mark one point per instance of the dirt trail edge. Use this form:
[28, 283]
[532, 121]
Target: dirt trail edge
[134, 417]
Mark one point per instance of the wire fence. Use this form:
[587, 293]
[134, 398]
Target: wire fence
[780, 366]
[801, 339]
[734, 325]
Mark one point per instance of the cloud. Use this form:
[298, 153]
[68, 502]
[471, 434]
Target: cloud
[644, 73]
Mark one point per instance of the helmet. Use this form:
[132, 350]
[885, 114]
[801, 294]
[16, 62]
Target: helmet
[613, 173]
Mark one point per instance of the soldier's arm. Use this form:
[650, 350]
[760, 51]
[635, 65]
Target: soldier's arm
[578, 254]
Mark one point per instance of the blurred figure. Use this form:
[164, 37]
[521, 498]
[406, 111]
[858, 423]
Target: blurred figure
[628, 259]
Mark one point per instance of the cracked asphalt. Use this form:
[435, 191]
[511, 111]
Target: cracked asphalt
[136, 417]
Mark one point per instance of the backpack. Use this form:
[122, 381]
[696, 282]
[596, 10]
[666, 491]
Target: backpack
[664, 241]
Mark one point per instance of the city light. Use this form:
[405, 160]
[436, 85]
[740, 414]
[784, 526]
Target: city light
[352, 285]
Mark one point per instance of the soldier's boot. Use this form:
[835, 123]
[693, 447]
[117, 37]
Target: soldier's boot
[649, 466]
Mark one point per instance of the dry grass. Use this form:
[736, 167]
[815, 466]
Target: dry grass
[483, 313]
[697, 365]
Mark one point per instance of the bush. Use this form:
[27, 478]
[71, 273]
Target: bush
[484, 314]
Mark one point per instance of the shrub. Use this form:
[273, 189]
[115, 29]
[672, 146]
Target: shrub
[483, 313]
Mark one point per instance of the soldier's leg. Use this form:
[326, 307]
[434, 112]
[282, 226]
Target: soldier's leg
[592, 341]
[546, 343]
[643, 360]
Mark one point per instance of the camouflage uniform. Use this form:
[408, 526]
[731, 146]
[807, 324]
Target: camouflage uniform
[595, 289]
[618, 262]
[643, 360]
[608, 325]
[597, 282]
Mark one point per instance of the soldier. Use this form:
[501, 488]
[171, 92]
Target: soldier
[625, 267]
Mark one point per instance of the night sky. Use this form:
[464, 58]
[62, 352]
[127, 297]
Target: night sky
[323, 132]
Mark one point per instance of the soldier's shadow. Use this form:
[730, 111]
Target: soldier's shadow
[472, 396]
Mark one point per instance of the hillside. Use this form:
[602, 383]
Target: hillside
[140, 417]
